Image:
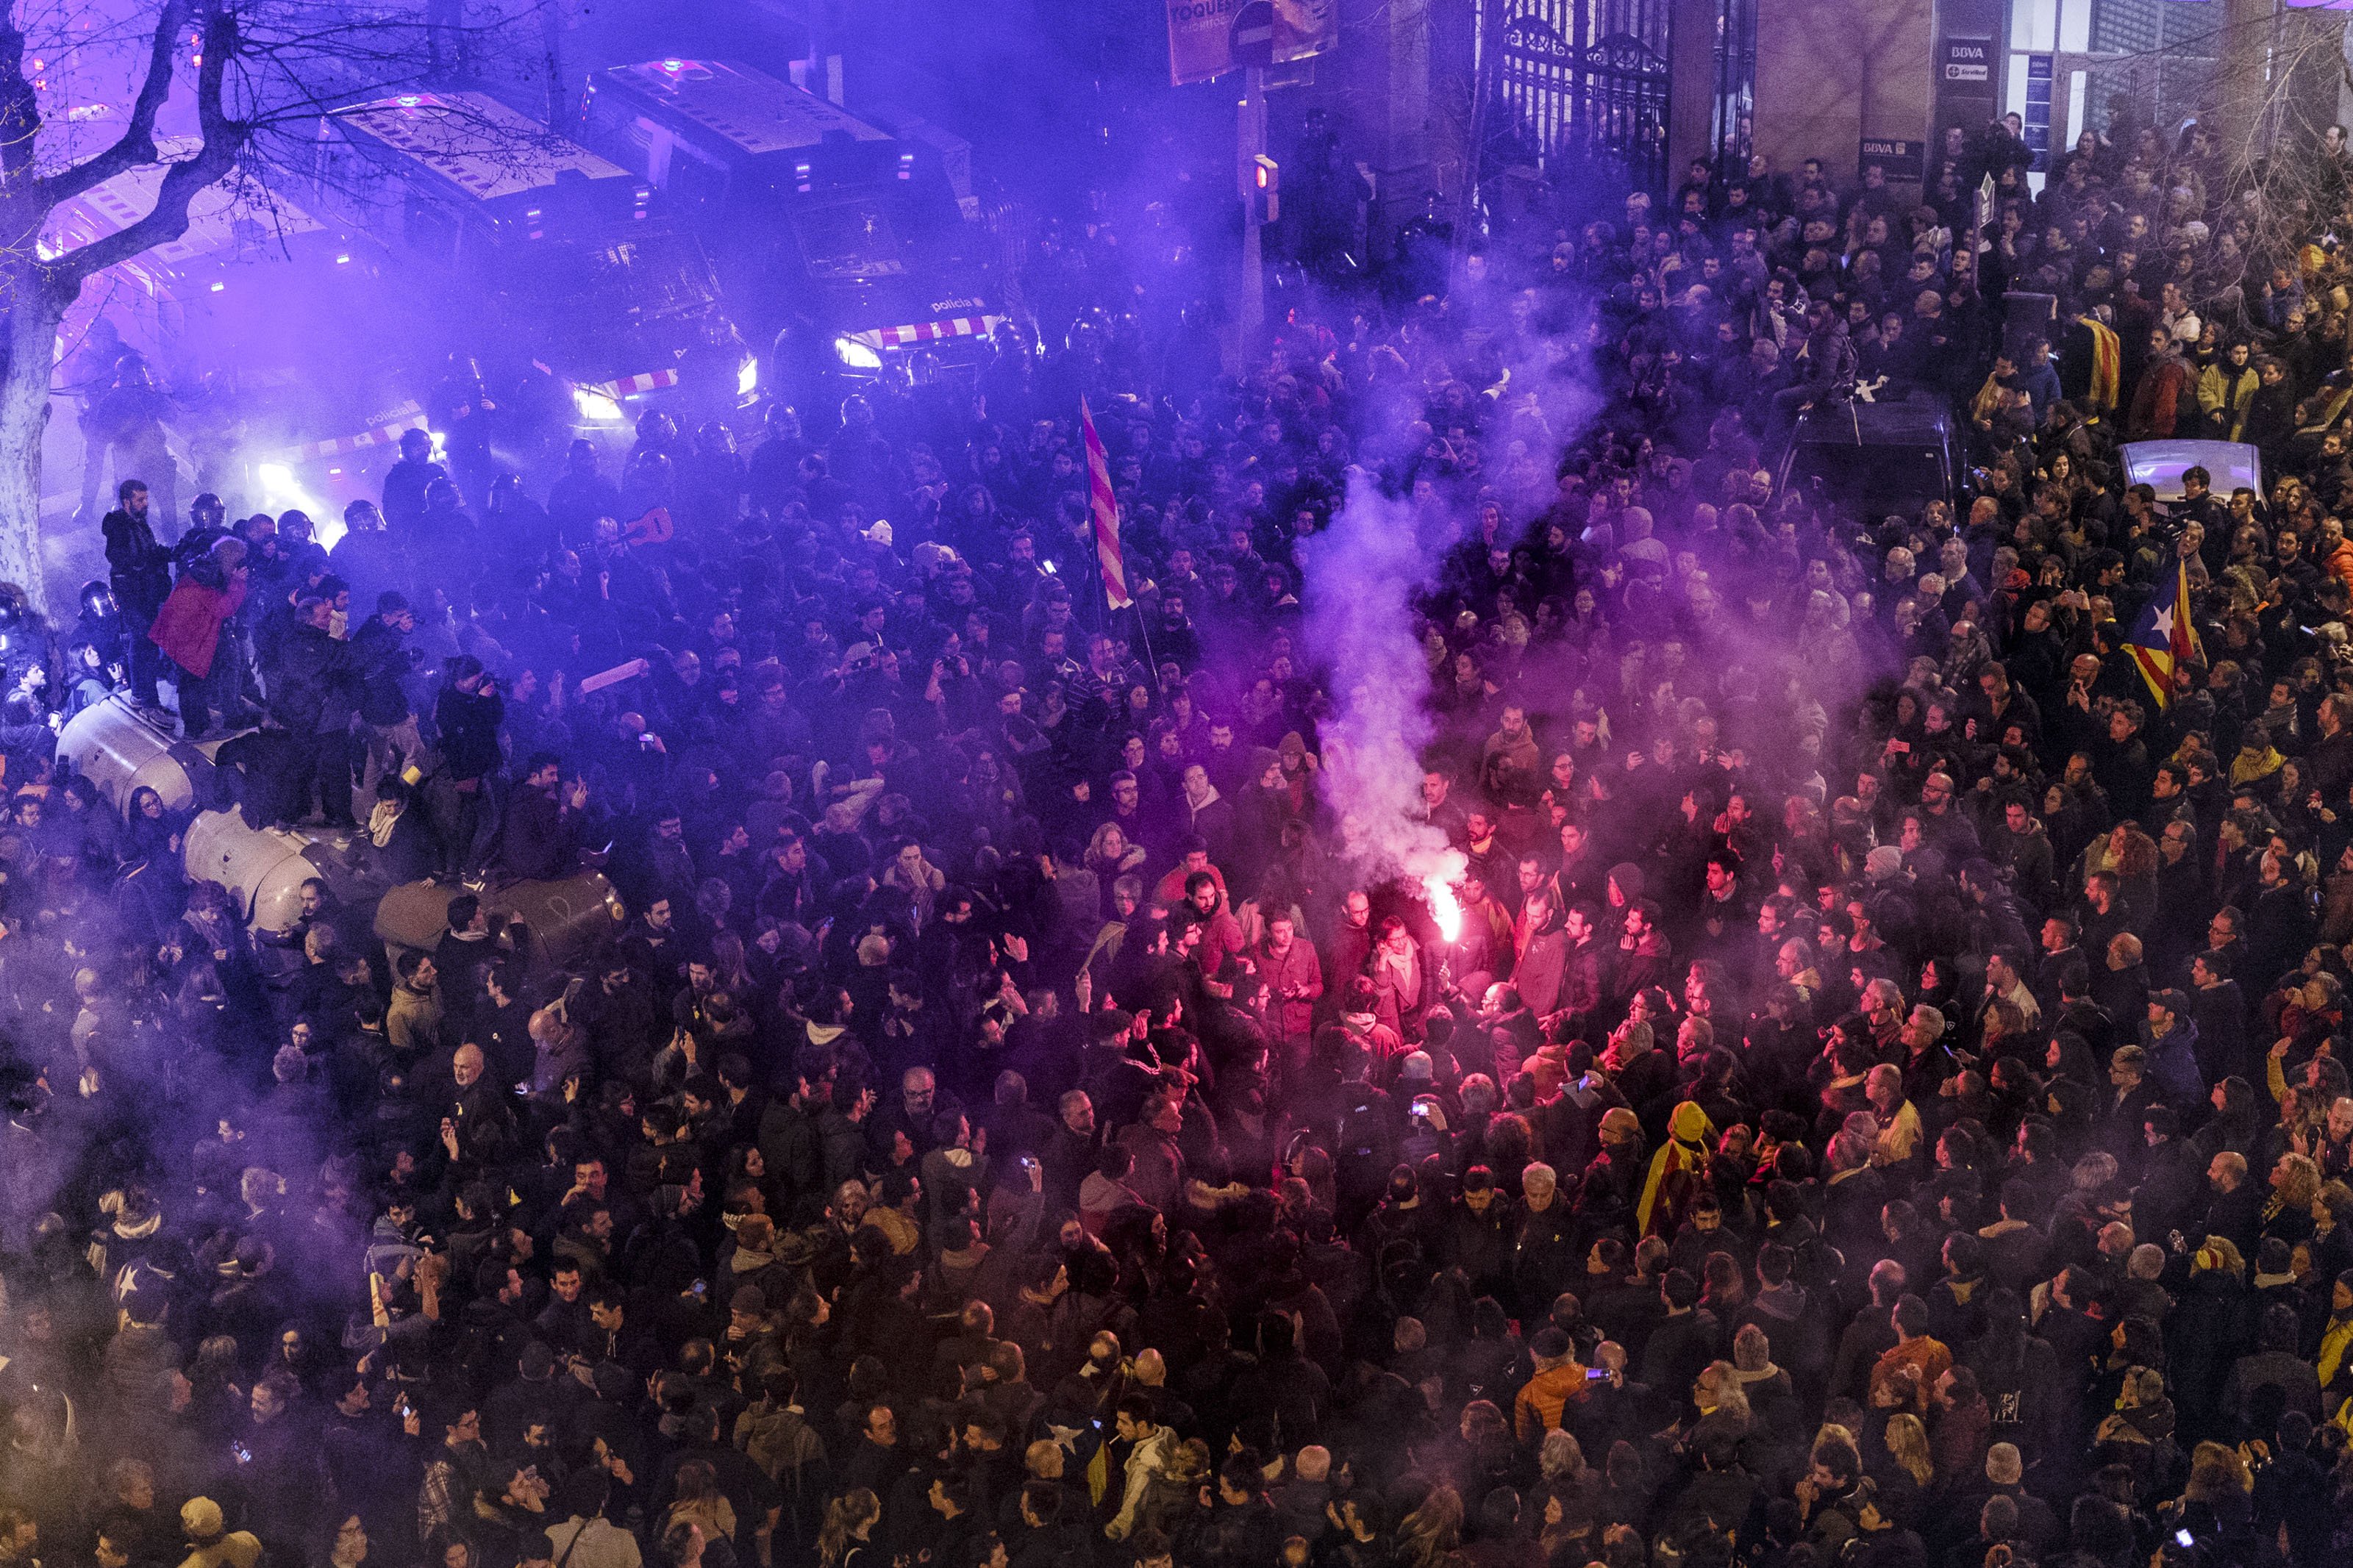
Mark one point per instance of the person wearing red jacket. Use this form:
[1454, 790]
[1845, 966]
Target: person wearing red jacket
[1296, 981]
[2162, 398]
[188, 629]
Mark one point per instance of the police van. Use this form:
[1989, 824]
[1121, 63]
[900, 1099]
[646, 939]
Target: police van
[577, 272]
[843, 245]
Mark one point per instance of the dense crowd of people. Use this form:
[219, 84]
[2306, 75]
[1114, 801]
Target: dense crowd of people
[1880, 1102]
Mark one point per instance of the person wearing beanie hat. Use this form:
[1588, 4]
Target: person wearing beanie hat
[1613, 1179]
[1752, 1362]
[211, 1544]
[1559, 1382]
[1625, 889]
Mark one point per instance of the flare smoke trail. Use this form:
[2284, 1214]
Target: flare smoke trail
[1363, 573]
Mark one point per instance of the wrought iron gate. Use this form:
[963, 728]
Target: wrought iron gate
[1579, 82]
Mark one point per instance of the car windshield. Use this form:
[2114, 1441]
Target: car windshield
[656, 273]
[849, 240]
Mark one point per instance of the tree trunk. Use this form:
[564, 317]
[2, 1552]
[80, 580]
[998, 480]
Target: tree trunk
[32, 320]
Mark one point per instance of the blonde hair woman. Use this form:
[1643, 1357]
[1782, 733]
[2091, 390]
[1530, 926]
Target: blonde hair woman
[848, 1520]
[1109, 853]
[1907, 1445]
[1432, 1531]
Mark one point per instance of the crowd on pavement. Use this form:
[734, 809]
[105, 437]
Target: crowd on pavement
[1881, 1103]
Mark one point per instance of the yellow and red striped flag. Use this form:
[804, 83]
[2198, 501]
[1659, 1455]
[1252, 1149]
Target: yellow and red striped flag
[2108, 362]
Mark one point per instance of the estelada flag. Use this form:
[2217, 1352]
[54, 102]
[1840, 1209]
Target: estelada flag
[1106, 508]
[2165, 639]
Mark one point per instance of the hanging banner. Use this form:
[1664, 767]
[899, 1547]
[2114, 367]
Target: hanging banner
[1202, 35]
[1201, 39]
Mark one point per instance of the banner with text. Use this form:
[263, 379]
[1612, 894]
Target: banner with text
[1201, 35]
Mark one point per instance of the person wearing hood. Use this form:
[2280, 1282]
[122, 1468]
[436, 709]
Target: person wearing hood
[1623, 888]
[1401, 1217]
[1539, 973]
[1259, 809]
[1612, 1183]
[1678, 1172]
[187, 627]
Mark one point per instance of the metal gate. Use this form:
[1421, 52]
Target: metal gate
[1580, 82]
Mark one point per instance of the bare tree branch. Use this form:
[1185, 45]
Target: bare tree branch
[20, 109]
[224, 142]
[136, 145]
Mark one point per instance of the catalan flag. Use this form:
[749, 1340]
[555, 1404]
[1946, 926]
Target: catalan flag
[1106, 508]
[2164, 640]
[2107, 362]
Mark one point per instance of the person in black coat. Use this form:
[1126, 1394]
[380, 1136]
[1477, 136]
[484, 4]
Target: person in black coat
[467, 715]
[2236, 1212]
[138, 569]
[259, 771]
[310, 693]
[402, 837]
[540, 839]
[1684, 1342]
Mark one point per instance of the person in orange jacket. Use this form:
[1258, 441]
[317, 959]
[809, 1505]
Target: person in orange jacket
[1559, 1382]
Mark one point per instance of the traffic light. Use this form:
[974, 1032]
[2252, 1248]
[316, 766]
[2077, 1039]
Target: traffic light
[1266, 189]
